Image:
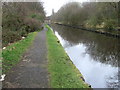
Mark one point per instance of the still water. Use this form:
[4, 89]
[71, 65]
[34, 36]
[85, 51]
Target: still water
[96, 56]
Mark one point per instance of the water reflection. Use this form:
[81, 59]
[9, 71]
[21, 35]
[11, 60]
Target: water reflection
[95, 55]
[102, 48]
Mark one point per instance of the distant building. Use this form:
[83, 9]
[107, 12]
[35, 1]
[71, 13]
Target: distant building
[47, 19]
[53, 12]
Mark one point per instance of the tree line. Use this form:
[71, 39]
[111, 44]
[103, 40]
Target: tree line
[19, 19]
[89, 14]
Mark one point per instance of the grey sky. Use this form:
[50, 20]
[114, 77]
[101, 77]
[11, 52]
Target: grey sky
[56, 4]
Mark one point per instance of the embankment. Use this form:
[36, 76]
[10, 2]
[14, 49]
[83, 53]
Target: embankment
[63, 73]
[91, 30]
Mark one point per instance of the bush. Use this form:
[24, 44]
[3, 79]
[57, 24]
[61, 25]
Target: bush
[32, 24]
[110, 24]
[19, 19]
[9, 36]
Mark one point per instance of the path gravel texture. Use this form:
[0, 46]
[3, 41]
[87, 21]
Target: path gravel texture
[32, 71]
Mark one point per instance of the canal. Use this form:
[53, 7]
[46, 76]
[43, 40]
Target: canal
[96, 56]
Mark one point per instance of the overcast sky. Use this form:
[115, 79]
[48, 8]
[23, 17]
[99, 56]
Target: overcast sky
[56, 4]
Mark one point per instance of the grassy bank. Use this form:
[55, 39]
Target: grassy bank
[13, 53]
[63, 74]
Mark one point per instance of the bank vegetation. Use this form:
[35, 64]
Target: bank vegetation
[63, 73]
[97, 15]
[19, 19]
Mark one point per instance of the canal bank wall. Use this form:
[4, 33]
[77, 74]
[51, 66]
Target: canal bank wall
[91, 30]
[63, 73]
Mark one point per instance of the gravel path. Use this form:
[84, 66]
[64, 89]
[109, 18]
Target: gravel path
[31, 72]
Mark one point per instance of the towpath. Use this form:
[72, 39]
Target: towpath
[32, 71]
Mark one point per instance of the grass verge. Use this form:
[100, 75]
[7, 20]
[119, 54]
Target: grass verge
[63, 74]
[13, 53]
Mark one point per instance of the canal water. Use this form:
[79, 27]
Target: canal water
[96, 56]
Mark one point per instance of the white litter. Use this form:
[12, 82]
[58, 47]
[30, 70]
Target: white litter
[25, 60]
[4, 47]
[23, 37]
[2, 77]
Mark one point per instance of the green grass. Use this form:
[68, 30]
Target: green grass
[63, 74]
[13, 53]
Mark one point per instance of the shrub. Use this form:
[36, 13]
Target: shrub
[110, 24]
[9, 36]
[20, 18]
[32, 24]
